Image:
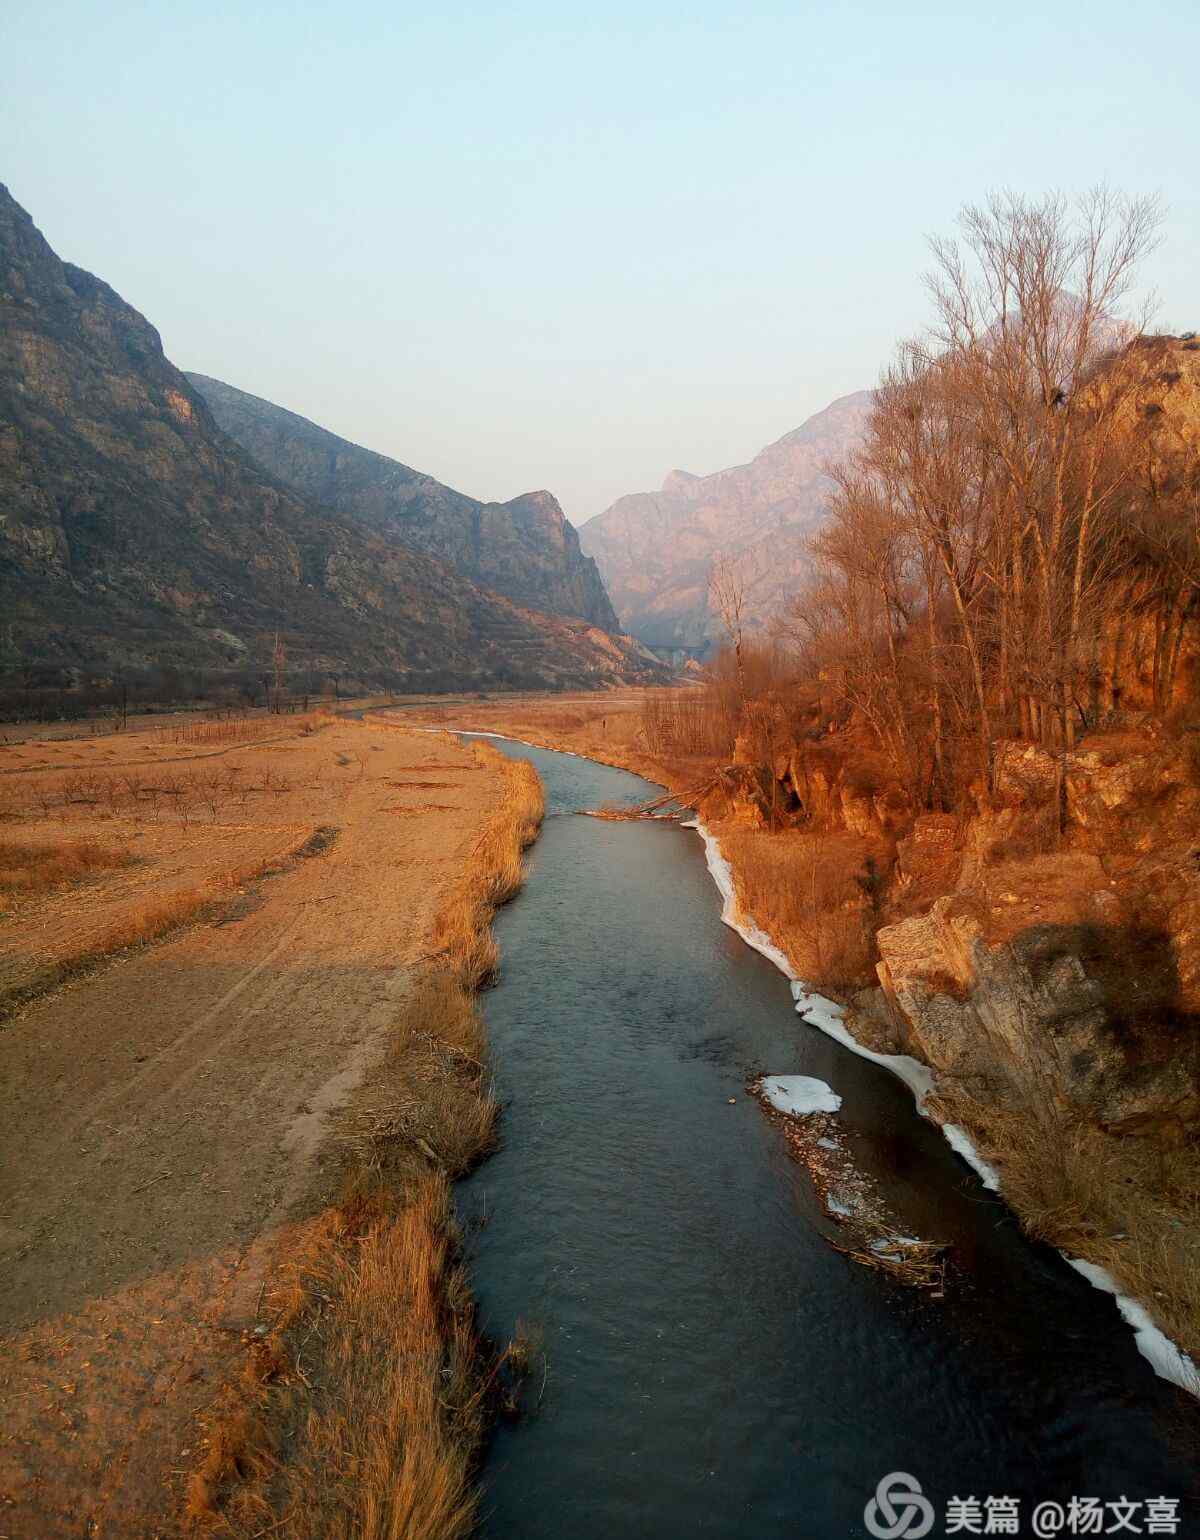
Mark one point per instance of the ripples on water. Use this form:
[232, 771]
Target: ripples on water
[714, 1368]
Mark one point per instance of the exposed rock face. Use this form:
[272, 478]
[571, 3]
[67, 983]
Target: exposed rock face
[1109, 781]
[524, 549]
[655, 549]
[134, 532]
[1072, 975]
[1029, 1017]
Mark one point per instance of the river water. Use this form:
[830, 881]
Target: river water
[714, 1368]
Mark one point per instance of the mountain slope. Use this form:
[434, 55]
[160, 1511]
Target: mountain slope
[524, 549]
[135, 534]
[655, 549]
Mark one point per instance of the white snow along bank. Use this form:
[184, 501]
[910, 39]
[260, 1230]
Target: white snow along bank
[1165, 1357]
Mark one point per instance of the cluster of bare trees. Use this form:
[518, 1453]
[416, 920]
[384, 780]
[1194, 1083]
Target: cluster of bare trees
[1011, 521]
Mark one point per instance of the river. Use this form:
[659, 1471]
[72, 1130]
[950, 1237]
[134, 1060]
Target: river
[714, 1368]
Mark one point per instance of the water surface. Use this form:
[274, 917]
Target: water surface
[714, 1367]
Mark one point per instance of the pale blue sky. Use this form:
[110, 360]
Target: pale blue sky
[532, 245]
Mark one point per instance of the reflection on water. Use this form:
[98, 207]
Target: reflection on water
[714, 1368]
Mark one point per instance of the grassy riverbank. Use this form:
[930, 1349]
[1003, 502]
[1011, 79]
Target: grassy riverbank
[234, 1299]
[360, 1414]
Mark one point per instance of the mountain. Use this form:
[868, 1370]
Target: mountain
[524, 549]
[135, 534]
[655, 549]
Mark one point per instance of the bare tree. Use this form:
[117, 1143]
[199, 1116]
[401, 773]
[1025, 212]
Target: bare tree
[278, 666]
[1027, 313]
[727, 596]
[1009, 509]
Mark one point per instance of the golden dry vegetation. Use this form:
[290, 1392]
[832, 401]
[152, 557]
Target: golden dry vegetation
[361, 1414]
[234, 1283]
[106, 845]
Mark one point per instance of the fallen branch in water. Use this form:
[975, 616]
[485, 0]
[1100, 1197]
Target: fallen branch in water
[678, 803]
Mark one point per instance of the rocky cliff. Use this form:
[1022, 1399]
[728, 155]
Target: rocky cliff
[134, 533]
[524, 549]
[655, 549]
[1039, 950]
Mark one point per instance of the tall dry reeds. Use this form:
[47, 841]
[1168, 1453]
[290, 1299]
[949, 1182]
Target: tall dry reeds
[811, 893]
[370, 1402]
[1132, 1205]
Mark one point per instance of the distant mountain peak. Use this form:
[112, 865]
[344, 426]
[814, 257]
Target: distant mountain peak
[656, 549]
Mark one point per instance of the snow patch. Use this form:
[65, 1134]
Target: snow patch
[958, 1141]
[827, 1015]
[799, 1095]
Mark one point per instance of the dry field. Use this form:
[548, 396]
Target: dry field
[238, 1059]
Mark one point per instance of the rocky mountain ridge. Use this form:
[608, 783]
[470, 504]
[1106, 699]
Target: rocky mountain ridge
[524, 549]
[135, 534]
[655, 549]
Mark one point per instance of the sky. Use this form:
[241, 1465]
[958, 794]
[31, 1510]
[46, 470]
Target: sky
[527, 245]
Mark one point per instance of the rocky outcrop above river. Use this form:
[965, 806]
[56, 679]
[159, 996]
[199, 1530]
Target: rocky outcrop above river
[1070, 973]
[524, 549]
[1041, 950]
[1038, 1014]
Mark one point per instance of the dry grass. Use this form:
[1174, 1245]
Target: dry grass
[429, 1103]
[914, 1263]
[1132, 1205]
[150, 921]
[807, 891]
[28, 869]
[494, 871]
[360, 1415]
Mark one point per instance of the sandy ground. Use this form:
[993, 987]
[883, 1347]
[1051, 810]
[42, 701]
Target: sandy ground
[165, 1116]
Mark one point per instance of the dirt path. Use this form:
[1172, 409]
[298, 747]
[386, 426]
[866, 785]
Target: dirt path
[163, 1116]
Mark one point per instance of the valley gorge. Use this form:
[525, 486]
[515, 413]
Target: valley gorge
[491, 975]
[136, 535]
[524, 549]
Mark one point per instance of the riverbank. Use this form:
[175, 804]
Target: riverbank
[1125, 1217]
[229, 1148]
